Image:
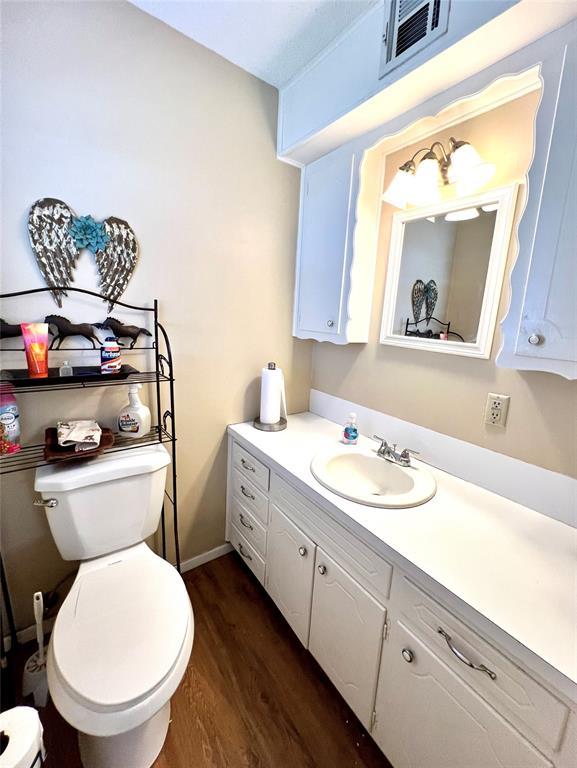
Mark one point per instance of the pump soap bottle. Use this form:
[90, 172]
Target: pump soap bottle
[134, 418]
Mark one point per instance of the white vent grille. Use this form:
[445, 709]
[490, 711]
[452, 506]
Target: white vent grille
[410, 27]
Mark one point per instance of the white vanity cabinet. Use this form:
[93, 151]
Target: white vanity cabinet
[346, 634]
[540, 330]
[431, 688]
[426, 716]
[333, 290]
[290, 572]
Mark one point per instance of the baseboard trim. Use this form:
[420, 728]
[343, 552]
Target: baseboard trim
[205, 557]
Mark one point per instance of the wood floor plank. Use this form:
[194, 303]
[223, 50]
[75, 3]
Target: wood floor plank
[252, 696]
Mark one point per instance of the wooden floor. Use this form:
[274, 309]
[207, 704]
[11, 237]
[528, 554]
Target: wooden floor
[252, 696]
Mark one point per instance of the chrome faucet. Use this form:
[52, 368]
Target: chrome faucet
[390, 453]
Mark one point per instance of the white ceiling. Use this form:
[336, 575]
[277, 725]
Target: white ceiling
[272, 39]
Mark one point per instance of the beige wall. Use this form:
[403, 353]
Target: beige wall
[116, 113]
[444, 392]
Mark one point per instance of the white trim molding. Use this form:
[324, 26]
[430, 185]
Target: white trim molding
[205, 557]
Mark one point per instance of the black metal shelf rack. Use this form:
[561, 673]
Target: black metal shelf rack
[163, 431]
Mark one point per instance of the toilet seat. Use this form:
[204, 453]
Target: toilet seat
[121, 641]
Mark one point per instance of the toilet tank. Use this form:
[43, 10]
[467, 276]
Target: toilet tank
[105, 503]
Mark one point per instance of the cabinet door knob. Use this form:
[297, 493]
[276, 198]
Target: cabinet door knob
[330, 323]
[322, 569]
[535, 339]
[407, 655]
[302, 551]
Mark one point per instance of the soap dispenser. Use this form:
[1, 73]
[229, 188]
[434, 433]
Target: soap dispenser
[351, 431]
[134, 418]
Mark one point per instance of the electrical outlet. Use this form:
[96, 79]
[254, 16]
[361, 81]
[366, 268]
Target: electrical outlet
[496, 409]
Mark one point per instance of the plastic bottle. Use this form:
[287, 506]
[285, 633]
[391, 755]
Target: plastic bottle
[9, 420]
[351, 431]
[65, 369]
[110, 361]
[134, 418]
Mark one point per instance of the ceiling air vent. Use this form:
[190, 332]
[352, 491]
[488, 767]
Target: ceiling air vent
[410, 26]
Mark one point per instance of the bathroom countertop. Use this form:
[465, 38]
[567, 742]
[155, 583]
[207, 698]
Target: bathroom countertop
[512, 565]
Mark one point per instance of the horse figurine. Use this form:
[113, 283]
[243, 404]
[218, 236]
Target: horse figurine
[65, 328]
[9, 330]
[122, 331]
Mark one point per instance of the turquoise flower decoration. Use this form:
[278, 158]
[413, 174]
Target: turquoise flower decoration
[88, 233]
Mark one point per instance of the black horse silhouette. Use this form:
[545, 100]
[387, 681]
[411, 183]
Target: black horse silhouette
[9, 330]
[122, 331]
[65, 328]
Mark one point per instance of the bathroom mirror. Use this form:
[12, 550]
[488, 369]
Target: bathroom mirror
[444, 274]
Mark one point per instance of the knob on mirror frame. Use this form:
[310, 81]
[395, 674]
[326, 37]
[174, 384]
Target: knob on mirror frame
[407, 655]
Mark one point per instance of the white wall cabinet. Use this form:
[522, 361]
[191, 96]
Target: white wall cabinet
[289, 573]
[374, 629]
[346, 634]
[541, 332]
[333, 286]
[426, 716]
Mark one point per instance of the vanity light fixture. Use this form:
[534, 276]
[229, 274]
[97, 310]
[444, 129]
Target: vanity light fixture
[490, 207]
[419, 183]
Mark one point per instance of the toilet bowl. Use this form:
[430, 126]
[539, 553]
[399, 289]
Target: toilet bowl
[123, 636]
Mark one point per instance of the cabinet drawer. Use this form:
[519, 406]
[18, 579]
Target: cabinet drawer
[368, 568]
[247, 552]
[252, 499]
[250, 467]
[524, 702]
[251, 529]
[428, 717]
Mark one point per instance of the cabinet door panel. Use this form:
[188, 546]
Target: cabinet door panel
[289, 572]
[323, 244]
[550, 310]
[346, 634]
[426, 716]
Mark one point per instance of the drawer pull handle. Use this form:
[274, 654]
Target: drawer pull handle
[246, 493]
[463, 658]
[303, 551]
[243, 522]
[322, 569]
[248, 466]
[243, 553]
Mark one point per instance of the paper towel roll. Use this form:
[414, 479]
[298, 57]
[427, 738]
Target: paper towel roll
[272, 395]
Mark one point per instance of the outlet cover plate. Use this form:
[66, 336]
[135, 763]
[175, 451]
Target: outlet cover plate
[497, 409]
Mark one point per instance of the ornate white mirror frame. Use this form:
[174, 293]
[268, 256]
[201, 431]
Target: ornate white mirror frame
[505, 198]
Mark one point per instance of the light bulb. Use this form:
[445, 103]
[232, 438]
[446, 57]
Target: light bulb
[426, 187]
[400, 188]
[464, 214]
[467, 170]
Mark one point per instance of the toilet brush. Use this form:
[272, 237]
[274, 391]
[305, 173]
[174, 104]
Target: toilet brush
[34, 680]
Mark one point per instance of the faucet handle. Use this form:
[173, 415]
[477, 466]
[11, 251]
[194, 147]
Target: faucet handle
[381, 439]
[405, 456]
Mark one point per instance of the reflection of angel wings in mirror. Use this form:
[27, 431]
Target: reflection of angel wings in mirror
[424, 294]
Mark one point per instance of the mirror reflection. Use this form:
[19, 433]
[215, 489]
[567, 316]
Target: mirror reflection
[442, 276]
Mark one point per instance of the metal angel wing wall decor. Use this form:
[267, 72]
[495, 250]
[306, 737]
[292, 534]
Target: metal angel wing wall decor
[57, 236]
[424, 294]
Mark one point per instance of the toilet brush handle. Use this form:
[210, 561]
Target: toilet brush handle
[38, 617]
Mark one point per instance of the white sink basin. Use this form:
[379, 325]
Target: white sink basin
[362, 476]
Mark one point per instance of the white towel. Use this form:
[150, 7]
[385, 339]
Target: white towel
[84, 435]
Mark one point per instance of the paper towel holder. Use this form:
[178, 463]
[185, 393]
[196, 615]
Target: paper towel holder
[278, 427]
[281, 423]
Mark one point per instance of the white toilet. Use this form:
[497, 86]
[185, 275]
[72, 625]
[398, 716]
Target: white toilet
[123, 636]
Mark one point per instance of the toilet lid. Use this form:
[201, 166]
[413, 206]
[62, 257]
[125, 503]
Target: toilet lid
[121, 629]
